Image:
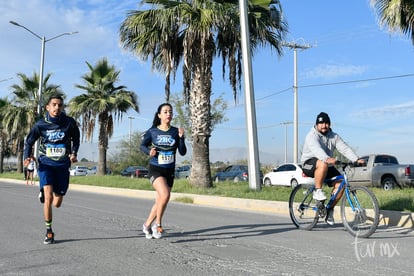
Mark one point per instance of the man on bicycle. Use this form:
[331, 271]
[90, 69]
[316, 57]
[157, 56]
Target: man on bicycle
[318, 161]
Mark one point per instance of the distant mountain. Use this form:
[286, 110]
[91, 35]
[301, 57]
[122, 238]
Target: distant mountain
[235, 154]
[227, 155]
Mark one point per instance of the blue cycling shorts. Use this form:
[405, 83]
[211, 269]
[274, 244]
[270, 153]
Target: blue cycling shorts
[57, 176]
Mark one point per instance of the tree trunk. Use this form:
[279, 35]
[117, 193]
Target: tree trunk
[19, 154]
[103, 144]
[102, 161]
[200, 94]
[200, 170]
[1, 152]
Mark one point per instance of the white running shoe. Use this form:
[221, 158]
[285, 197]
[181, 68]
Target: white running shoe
[147, 231]
[318, 194]
[156, 231]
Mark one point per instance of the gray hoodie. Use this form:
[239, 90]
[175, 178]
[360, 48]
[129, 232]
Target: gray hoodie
[322, 146]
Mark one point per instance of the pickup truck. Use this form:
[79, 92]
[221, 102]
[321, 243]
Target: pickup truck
[382, 170]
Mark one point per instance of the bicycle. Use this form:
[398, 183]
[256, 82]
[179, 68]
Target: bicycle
[359, 207]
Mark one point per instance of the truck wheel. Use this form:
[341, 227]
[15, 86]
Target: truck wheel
[388, 183]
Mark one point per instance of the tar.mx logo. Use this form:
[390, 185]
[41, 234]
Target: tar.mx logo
[371, 249]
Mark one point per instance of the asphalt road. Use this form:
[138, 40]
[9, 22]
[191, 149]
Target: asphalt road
[101, 235]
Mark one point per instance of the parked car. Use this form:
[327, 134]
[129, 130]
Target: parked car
[183, 171]
[78, 171]
[235, 173]
[289, 174]
[135, 171]
[93, 170]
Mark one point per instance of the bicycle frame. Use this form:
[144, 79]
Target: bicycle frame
[343, 186]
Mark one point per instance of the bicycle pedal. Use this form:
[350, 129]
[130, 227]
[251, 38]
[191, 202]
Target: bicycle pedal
[321, 209]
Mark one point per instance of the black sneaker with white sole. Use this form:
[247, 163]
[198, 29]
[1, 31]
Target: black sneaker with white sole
[42, 196]
[49, 238]
[330, 217]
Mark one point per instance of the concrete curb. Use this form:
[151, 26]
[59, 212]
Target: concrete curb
[387, 218]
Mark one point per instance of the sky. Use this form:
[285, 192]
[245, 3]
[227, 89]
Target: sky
[354, 69]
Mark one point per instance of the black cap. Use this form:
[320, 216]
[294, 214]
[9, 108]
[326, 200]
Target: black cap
[323, 118]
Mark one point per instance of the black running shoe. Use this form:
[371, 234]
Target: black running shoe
[42, 196]
[49, 238]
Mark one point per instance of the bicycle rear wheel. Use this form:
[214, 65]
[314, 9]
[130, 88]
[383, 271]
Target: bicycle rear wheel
[302, 207]
[360, 212]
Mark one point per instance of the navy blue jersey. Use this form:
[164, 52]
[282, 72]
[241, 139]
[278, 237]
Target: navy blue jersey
[166, 143]
[59, 137]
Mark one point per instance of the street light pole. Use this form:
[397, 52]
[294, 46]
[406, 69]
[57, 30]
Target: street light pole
[252, 141]
[130, 125]
[40, 89]
[6, 79]
[42, 62]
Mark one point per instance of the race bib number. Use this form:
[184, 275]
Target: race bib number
[55, 150]
[165, 157]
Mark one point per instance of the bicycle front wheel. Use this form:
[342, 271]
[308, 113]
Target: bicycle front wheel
[302, 207]
[360, 212]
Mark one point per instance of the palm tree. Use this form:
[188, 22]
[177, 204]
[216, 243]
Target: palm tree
[3, 135]
[103, 101]
[27, 94]
[194, 32]
[20, 114]
[398, 15]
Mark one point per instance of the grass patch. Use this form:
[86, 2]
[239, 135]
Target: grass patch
[184, 199]
[395, 200]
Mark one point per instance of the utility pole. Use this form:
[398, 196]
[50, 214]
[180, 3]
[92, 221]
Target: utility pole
[295, 46]
[286, 124]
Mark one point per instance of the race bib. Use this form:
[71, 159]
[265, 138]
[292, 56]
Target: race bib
[58, 150]
[165, 157]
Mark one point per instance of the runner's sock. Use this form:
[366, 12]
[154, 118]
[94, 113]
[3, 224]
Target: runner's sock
[48, 225]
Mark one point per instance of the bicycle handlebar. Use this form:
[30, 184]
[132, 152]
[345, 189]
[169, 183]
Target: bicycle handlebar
[347, 164]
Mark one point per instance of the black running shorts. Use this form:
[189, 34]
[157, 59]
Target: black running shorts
[154, 172]
[309, 167]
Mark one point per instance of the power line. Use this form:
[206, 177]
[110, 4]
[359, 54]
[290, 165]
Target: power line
[337, 83]
[361, 80]
[274, 94]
